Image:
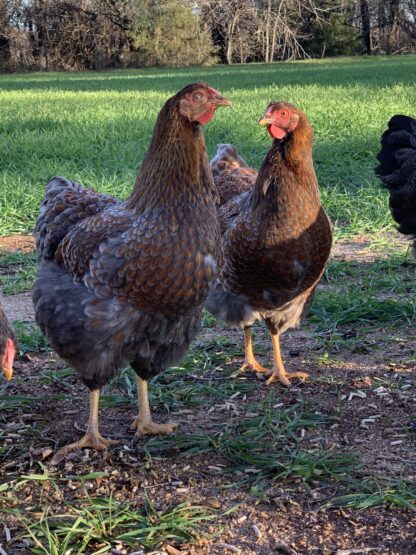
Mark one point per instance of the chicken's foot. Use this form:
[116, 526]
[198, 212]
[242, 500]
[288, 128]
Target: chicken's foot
[143, 423]
[92, 438]
[250, 363]
[278, 371]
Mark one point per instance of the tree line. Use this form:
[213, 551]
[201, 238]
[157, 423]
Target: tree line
[98, 34]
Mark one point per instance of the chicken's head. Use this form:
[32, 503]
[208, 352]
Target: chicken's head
[7, 357]
[198, 102]
[281, 119]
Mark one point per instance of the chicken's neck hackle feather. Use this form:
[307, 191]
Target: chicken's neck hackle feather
[175, 169]
[286, 184]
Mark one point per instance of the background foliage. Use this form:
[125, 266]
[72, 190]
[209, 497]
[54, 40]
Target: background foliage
[99, 34]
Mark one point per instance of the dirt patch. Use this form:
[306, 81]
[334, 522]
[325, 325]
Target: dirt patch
[362, 248]
[17, 242]
[18, 307]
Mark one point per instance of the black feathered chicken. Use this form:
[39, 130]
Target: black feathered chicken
[397, 171]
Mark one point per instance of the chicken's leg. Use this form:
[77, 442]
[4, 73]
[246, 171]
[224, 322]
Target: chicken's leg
[278, 372]
[92, 437]
[250, 363]
[143, 423]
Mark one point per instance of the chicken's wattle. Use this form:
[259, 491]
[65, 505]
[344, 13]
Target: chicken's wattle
[276, 132]
[206, 117]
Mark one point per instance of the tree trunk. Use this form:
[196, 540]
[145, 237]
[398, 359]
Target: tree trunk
[393, 30]
[268, 18]
[230, 38]
[274, 39]
[381, 21]
[365, 24]
[229, 52]
[5, 53]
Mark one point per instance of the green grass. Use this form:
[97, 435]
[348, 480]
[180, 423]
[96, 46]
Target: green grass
[17, 271]
[30, 338]
[267, 446]
[372, 493]
[372, 295]
[96, 525]
[95, 127]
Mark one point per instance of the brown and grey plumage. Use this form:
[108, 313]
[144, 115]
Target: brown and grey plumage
[397, 171]
[276, 236]
[8, 345]
[232, 176]
[124, 282]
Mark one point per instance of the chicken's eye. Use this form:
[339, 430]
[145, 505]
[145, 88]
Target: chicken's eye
[283, 113]
[197, 97]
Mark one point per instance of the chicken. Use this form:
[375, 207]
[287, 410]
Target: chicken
[125, 282]
[397, 171]
[8, 345]
[276, 236]
[232, 176]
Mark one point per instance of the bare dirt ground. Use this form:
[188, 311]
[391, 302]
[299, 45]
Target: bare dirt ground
[367, 391]
[20, 242]
[18, 307]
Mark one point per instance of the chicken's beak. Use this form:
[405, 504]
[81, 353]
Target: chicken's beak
[265, 121]
[222, 101]
[8, 372]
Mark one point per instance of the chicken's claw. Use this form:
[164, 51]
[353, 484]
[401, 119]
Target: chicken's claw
[152, 428]
[284, 378]
[92, 440]
[254, 366]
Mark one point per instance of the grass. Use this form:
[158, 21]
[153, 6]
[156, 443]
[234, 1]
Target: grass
[17, 271]
[96, 525]
[30, 338]
[267, 446]
[365, 296]
[95, 128]
[373, 493]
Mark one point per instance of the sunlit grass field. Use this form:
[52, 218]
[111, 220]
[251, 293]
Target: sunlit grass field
[95, 127]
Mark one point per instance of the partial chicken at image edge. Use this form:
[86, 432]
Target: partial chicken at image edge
[8, 345]
[276, 236]
[397, 172]
[125, 282]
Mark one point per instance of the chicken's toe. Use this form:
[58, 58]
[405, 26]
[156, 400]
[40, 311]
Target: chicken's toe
[285, 377]
[91, 440]
[252, 365]
[152, 428]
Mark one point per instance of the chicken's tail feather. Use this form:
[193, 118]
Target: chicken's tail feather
[64, 205]
[58, 184]
[397, 170]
